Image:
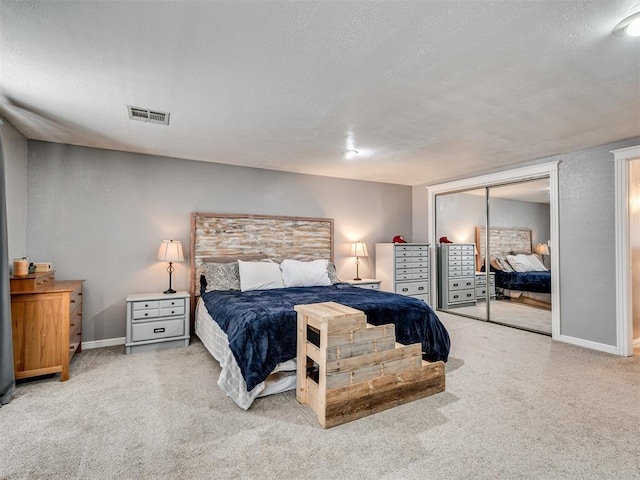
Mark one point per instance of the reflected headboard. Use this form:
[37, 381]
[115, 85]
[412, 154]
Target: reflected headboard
[505, 241]
[237, 235]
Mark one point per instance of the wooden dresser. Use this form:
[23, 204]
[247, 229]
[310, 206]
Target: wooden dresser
[46, 318]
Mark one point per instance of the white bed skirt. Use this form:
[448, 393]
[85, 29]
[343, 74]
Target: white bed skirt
[231, 381]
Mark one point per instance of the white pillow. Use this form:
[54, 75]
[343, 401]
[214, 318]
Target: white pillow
[305, 274]
[520, 263]
[259, 275]
[537, 264]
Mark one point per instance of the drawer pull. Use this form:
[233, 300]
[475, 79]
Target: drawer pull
[469, 295]
[420, 288]
[455, 296]
[405, 289]
[72, 325]
[456, 284]
[158, 330]
[146, 314]
[146, 304]
[172, 312]
[73, 301]
[71, 347]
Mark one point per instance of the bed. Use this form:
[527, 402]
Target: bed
[530, 287]
[252, 334]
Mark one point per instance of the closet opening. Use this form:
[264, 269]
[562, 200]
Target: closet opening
[496, 248]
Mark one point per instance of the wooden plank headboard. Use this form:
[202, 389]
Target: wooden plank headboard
[277, 237]
[504, 241]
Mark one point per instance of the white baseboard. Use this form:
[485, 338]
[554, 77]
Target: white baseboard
[108, 342]
[589, 344]
[636, 342]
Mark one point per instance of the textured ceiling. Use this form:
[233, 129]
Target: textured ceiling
[425, 91]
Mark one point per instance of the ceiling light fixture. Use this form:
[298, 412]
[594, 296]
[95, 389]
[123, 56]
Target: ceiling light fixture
[349, 154]
[629, 26]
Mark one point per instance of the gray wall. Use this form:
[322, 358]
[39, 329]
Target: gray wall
[458, 215]
[100, 215]
[587, 240]
[15, 169]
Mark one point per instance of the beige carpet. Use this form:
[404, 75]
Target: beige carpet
[510, 313]
[517, 406]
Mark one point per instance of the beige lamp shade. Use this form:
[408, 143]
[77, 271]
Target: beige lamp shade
[359, 249]
[170, 251]
[542, 249]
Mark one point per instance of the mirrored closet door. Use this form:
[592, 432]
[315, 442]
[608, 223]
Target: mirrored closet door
[510, 226]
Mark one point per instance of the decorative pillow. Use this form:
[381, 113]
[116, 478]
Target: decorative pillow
[502, 262]
[333, 274]
[495, 265]
[259, 275]
[520, 263]
[305, 274]
[221, 276]
[537, 264]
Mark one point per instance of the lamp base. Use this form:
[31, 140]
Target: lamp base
[171, 290]
[357, 279]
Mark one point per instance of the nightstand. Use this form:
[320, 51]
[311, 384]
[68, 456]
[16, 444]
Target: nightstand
[370, 283]
[157, 320]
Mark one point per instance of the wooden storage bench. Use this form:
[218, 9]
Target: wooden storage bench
[348, 369]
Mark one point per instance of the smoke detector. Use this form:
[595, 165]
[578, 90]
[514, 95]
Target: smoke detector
[147, 115]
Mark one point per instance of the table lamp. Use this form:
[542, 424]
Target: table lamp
[170, 251]
[358, 249]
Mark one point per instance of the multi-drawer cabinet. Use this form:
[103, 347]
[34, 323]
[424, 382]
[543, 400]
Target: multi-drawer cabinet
[456, 275]
[404, 268]
[481, 285]
[46, 326]
[157, 320]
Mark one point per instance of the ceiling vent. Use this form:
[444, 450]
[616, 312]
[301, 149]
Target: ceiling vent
[146, 115]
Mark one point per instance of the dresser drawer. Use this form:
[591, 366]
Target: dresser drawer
[412, 288]
[75, 298]
[461, 284]
[159, 329]
[462, 296]
[411, 248]
[172, 311]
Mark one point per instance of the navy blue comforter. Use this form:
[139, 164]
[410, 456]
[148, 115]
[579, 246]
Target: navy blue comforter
[539, 282]
[261, 324]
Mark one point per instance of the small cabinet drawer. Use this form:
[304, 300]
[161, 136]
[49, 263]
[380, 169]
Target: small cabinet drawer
[176, 302]
[171, 311]
[461, 296]
[412, 288]
[145, 305]
[160, 329]
[149, 313]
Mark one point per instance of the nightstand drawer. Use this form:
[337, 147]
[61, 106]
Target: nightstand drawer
[177, 302]
[145, 305]
[148, 313]
[160, 329]
[172, 311]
